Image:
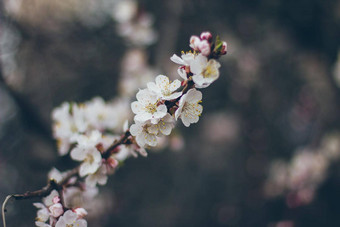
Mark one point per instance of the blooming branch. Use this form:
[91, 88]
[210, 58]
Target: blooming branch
[86, 131]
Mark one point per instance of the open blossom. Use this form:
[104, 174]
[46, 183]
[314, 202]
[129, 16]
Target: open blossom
[81, 212]
[48, 201]
[145, 133]
[49, 209]
[43, 214]
[184, 61]
[99, 177]
[164, 89]
[205, 72]
[70, 218]
[56, 210]
[64, 128]
[87, 152]
[189, 110]
[147, 108]
[101, 115]
[166, 124]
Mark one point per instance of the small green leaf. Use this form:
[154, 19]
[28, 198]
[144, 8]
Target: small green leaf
[218, 45]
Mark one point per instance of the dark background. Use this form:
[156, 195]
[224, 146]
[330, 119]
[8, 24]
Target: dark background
[276, 93]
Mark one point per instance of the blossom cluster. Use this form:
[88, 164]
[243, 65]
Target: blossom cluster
[53, 211]
[133, 24]
[299, 179]
[97, 135]
[163, 102]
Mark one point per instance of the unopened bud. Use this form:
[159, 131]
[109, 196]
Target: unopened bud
[113, 163]
[204, 47]
[224, 48]
[56, 199]
[206, 36]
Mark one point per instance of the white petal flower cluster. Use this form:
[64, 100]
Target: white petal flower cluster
[90, 131]
[135, 27]
[71, 120]
[50, 210]
[71, 218]
[160, 105]
[87, 130]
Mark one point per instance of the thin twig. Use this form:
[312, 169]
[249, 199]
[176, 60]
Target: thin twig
[4, 209]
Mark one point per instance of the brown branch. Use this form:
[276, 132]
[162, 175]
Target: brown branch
[112, 149]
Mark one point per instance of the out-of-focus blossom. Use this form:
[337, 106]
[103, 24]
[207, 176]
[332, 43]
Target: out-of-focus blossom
[299, 179]
[70, 218]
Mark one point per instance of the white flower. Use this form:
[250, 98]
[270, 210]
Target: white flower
[99, 177]
[100, 115]
[145, 133]
[166, 124]
[124, 11]
[81, 212]
[70, 219]
[87, 152]
[69, 120]
[164, 89]
[56, 210]
[42, 214]
[48, 201]
[189, 110]
[42, 224]
[184, 61]
[147, 108]
[55, 174]
[80, 197]
[205, 72]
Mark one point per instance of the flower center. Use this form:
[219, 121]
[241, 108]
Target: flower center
[151, 108]
[166, 90]
[209, 71]
[89, 158]
[191, 110]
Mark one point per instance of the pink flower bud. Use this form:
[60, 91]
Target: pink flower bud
[194, 41]
[206, 36]
[224, 48]
[81, 212]
[56, 210]
[113, 163]
[204, 47]
[56, 199]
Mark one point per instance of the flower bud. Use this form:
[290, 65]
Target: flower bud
[113, 163]
[194, 41]
[56, 210]
[204, 47]
[206, 36]
[56, 199]
[224, 48]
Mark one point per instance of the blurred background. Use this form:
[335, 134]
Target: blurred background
[266, 149]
